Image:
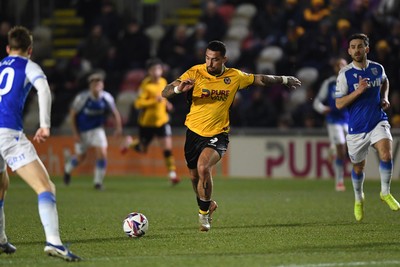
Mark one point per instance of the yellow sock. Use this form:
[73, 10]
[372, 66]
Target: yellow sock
[170, 162]
[203, 212]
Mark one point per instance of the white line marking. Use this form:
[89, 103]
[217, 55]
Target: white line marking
[335, 264]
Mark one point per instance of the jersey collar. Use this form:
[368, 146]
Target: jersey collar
[358, 68]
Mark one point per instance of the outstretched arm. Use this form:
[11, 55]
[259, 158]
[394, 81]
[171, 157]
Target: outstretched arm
[267, 80]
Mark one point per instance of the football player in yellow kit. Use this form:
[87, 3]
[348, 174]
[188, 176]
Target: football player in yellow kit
[153, 117]
[211, 88]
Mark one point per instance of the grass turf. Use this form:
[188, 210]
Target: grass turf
[258, 223]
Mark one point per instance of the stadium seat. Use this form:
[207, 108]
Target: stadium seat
[237, 32]
[226, 11]
[132, 80]
[155, 33]
[307, 76]
[233, 49]
[265, 67]
[267, 59]
[239, 21]
[271, 53]
[246, 10]
[233, 54]
[124, 103]
[43, 42]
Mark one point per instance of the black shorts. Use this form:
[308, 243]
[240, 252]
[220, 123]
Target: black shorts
[146, 134]
[195, 144]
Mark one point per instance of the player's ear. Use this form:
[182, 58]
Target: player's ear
[30, 50]
[8, 49]
[367, 49]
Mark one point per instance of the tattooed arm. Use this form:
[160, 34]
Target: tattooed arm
[267, 80]
[177, 87]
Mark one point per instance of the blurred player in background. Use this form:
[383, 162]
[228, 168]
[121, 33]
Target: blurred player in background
[363, 87]
[17, 76]
[210, 89]
[153, 117]
[88, 114]
[336, 122]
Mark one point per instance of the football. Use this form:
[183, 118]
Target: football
[135, 224]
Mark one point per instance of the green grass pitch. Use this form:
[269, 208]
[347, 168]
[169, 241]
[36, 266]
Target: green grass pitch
[259, 222]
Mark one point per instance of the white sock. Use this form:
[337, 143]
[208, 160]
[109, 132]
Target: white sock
[99, 174]
[358, 182]
[3, 237]
[339, 170]
[172, 175]
[385, 171]
[49, 217]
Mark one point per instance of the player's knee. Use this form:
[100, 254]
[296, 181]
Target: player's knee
[203, 170]
[358, 170]
[386, 157]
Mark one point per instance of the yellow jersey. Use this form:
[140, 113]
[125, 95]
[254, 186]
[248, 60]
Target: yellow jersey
[212, 97]
[153, 107]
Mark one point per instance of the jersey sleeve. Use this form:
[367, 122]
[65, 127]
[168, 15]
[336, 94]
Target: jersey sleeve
[79, 101]
[110, 100]
[384, 77]
[34, 72]
[245, 79]
[189, 74]
[38, 79]
[321, 97]
[342, 88]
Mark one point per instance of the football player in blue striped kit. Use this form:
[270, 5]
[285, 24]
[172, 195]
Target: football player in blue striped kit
[18, 74]
[363, 87]
[336, 122]
[88, 114]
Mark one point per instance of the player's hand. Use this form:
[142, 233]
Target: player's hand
[41, 135]
[293, 82]
[186, 85]
[385, 104]
[363, 84]
[327, 110]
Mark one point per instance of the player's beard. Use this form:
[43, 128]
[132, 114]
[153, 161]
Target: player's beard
[358, 57]
[214, 71]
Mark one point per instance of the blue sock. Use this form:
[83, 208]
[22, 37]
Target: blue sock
[71, 164]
